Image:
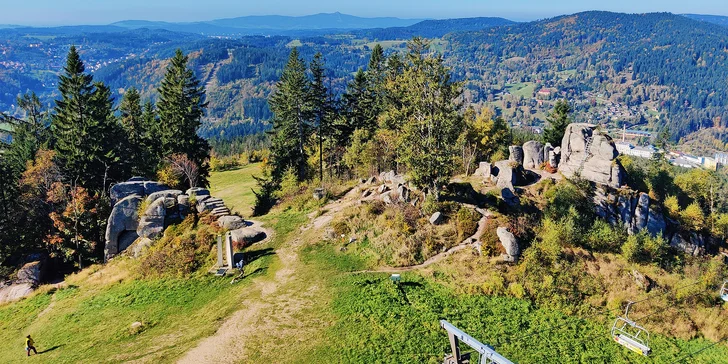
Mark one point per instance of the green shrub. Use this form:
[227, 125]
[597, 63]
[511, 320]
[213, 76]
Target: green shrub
[467, 222]
[604, 237]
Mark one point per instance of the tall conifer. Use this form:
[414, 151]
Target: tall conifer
[181, 107]
[84, 128]
[291, 108]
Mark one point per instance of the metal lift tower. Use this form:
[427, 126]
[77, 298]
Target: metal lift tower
[487, 354]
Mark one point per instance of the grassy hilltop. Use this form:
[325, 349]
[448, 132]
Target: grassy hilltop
[305, 299]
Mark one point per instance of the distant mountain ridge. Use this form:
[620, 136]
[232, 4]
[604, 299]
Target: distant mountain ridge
[434, 28]
[715, 19]
[272, 24]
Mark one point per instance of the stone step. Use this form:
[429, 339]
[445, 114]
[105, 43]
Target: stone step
[221, 209]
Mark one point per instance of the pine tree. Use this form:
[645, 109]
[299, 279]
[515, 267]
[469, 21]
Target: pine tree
[358, 105]
[84, 128]
[321, 106]
[135, 124]
[28, 134]
[558, 120]
[376, 80]
[291, 109]
[181, 107]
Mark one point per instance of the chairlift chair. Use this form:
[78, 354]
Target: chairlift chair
[631, 335]
[724, 291]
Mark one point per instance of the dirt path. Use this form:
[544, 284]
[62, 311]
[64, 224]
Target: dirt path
[271, 307]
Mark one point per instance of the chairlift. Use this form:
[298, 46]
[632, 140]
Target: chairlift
[724, 291]
[630, 335]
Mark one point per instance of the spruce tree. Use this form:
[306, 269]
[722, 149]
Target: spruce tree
[291, 108]
[28, 133]
[181, 107]
[558, 120]
[358, 104]
[321, 106]
[84, 129]
[139, 146]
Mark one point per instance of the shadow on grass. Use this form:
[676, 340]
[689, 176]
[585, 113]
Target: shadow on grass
[51, 349]
[254, 255]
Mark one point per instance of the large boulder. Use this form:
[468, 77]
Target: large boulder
[31, 273]
[124, 189]
[532, 154]
[247, 236]
[515, 154]
[14, 292]
[124, 217]
[547, 149]
[151, 223]
[597, 163]
[231, 222]
[163, 194]
[510, 197]
[509, 243]
[197, 191]
[436, 218]
[656, 224]
[484, 170]
[509, 174]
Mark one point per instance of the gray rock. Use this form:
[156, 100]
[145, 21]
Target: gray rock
[151, 223]
[509, 174]
[197, 191]
[532, 154]
[151, 187]
[387, 198]
[391, 177]
[641, 213]
[484, 170]
[31, 273]
[553, 159]
[516, 154]
[656, 223]
[404, 194]
[509, 242]
[436, 218]
[366, 193]
[137, 249]
[162, 194]
[598, 164]
[547, 149]
[372, 180]
[383, 189]
[319, 193]
[124, 189]
[123, 217]
[247, 236]
[231, 222]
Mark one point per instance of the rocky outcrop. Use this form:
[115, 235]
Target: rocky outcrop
[393, 178]
[591, 155]
[515, 154]
[28, 278]
[533, 154]
[231, 222]
[123, 220]
[509, 174]
[247, 236]
[484, 170]
[162, 207]
[509, 243]
[436, 218]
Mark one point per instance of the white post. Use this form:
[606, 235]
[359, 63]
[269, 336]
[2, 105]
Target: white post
[229, 251]
[219, 252]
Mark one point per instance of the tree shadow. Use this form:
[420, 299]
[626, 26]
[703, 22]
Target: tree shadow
[254, 255]
[51, 349]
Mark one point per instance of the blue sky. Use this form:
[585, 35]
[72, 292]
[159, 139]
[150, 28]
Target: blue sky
[64, 12]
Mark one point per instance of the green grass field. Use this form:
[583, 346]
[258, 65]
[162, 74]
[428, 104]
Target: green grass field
[524, 89]
[235, 187]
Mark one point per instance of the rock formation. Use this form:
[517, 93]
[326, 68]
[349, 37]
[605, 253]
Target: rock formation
[591, 155]
[162, 207]
[532, 154]
[516, 154]
[510, 244]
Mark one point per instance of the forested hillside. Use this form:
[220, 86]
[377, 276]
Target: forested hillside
[637, 70]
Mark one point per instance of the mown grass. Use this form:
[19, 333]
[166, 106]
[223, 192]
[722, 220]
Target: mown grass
[235, 187]
[376, 321]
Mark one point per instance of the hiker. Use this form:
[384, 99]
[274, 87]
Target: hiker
[29, 345]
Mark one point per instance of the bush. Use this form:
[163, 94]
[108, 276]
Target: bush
[604, 237]
[171, 177]
[467, 222]
[643, 248]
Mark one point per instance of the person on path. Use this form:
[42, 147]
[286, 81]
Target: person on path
[29, 345]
